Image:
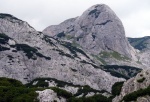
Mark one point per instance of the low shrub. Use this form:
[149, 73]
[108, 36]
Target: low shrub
[10, 82]
[141, 80]
[116, 88]
[61, 92]
[95, 98]
[134, 95]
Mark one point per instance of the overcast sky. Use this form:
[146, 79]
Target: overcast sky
[135, 14]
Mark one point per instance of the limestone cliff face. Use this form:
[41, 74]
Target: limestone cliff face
[141, 81]
[144, 57]
[26, 54]
[97, 29]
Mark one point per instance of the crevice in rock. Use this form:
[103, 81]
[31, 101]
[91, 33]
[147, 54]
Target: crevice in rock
[95, 12]
[93, 36]
[104, 23]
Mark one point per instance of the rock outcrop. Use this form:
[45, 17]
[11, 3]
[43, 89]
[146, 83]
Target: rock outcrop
[98, 29]
[141, 81]
[49, 95]
[144, 57]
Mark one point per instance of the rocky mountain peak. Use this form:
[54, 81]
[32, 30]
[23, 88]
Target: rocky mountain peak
[11, 25]
[95, 12]
[97, 30]
[4, 16]
[17, 29]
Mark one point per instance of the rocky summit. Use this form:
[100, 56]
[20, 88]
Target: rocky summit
[97, 30]
[83, 59]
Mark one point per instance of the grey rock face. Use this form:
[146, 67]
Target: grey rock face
[56, 29]
[12, 25]
[49, 95]
[97, 29]
[144, 57]
[134, 84]
[26, 54]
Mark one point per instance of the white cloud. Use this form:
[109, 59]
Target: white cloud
[137, 23]
[134, 14]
